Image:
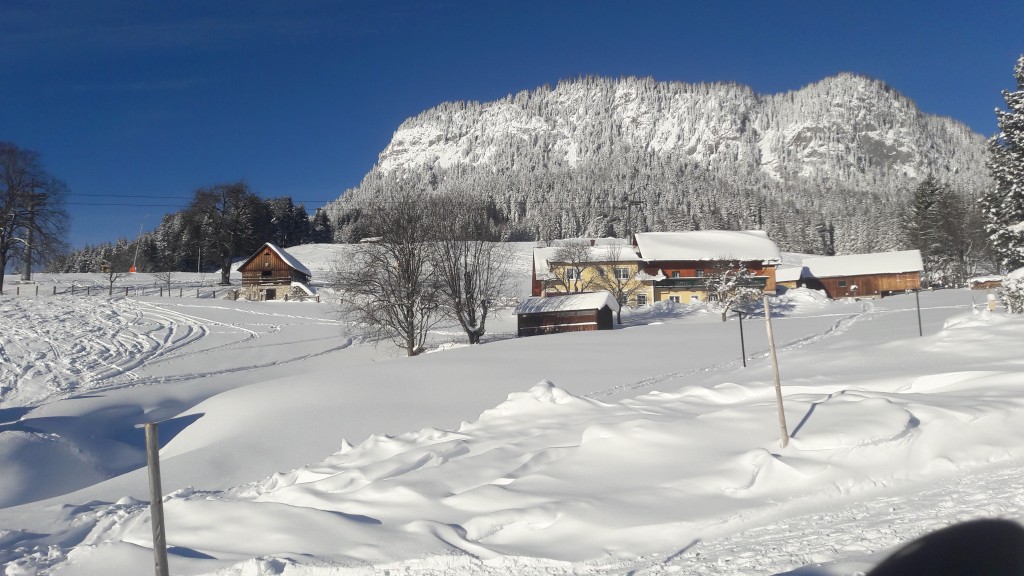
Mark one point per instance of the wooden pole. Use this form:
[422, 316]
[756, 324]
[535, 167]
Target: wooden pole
[156, 507]
[743, 346]
[917, 297]
[775, 371]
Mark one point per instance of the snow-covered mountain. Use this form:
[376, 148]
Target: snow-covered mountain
[841, 127]
[562, 161]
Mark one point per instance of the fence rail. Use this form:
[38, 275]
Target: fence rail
[97, 290]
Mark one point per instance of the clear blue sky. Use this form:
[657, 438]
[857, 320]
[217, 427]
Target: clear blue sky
[145, 101]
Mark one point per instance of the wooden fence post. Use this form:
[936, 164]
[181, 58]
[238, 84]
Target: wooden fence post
[743, 346]
[917, 298]
[156, 507]
[775, 371]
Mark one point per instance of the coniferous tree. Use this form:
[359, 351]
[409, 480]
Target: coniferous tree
[1003, 204]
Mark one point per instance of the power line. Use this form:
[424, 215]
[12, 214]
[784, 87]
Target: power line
[124, 204]
[155, 196]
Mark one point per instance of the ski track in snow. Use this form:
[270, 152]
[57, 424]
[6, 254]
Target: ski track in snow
[837, 328]
[114, 338]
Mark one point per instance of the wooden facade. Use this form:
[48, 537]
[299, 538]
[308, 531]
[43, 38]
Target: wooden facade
[566, 313]
[866, 285]
[565, 321]
[687, 279]
[864, 275]
[269, 274]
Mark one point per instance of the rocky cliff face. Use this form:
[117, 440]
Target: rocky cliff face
[846, 128]
[607, 156]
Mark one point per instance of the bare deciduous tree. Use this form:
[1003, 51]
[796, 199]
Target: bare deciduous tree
[226, 219]
[32, 217]
[569, 264]
[473, 268]
[164, 278]
[615, 275]
[388, 285]
[113, 273]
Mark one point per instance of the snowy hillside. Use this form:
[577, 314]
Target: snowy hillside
[292, 446]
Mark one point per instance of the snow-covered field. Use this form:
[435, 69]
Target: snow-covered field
[290, 445]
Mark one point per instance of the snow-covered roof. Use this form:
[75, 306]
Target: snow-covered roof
[788, 273]
[855, 264]
[746, 245]
[596, 242]
[604, 252]
[583, 301]
[285, 256]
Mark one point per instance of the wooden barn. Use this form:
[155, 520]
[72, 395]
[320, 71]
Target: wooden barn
[566, 313]
[273, 274]
[864, 275]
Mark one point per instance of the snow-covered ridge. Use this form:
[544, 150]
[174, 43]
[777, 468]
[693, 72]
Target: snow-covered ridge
[843, 123]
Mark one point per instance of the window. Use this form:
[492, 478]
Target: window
[641, 299]
[674, 299]
[699, 273]
[572, 274]
[842, 283]
[675, 273]
[622, 273]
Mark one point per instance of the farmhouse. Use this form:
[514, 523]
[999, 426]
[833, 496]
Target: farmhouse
[682, 262]
[566, 313]
[865, 275]
[585, 265]
[272, 274]
[658, 266]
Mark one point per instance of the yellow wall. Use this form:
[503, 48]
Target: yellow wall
[589, 283]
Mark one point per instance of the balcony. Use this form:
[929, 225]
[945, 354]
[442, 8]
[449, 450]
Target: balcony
[701, 284]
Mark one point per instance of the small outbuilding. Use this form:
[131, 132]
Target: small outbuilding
[788, 276]
[985, 282]
[273, 274]
[566, 313]
[864, 275]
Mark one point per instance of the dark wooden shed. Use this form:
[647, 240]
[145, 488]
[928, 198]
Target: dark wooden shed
[566, 313]
[864, 275]
[272, 274]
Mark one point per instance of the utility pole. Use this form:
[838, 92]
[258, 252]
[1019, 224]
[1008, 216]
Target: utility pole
[628, 204]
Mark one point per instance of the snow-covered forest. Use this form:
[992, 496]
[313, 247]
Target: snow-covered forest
[830, 167]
